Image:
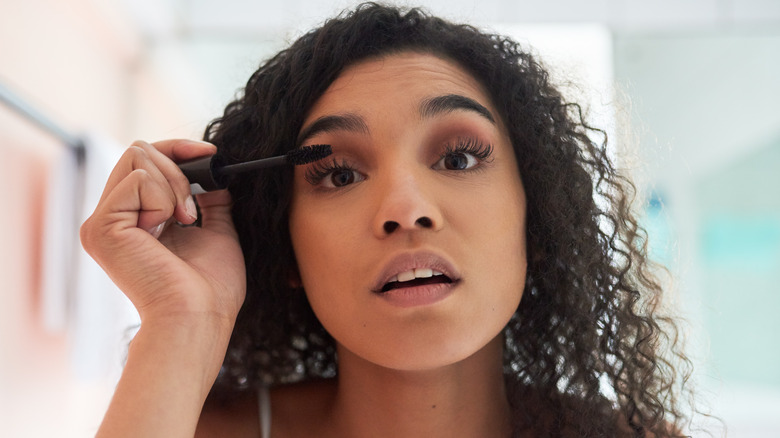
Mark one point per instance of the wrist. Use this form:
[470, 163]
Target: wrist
[208, 324]
[171, 365]
[194, 348]
[189, 307]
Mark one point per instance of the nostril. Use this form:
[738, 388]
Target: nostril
[390, 226]
[424, 222]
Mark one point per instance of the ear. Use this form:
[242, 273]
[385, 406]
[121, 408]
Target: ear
[294, 278]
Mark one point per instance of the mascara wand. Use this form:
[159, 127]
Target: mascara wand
[210, 173]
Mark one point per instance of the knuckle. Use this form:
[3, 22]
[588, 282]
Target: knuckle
[84, 233]
[135, 155]
[139, 143]
[87, 235]
[136, 150]
[157, 188]
[141, 175]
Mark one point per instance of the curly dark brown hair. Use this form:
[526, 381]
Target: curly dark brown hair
[586, 352]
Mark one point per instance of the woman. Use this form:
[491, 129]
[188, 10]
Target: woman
[464, 264]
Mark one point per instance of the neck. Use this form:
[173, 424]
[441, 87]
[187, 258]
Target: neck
[465, 399]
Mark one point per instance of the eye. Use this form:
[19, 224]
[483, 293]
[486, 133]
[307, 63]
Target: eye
[341, 177]
[332, 175]
[458, 161]
[464, 154]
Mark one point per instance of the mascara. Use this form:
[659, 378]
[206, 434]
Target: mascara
[211, 173]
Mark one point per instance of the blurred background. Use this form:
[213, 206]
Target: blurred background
[687, 90]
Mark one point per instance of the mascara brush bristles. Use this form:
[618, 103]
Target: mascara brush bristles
[308, 154]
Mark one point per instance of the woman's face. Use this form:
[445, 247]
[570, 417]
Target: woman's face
[410, 238]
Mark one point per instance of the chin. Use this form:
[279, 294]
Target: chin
[428, 353]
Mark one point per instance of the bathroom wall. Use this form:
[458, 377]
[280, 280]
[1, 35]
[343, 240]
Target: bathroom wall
[81, 63]
[704, 114]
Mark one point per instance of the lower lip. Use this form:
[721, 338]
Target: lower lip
[417, 295]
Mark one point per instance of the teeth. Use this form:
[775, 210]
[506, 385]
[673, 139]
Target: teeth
[423, 273]
[406, 276]
[415, 273]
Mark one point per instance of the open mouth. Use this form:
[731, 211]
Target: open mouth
[411, 279]
[433, 278]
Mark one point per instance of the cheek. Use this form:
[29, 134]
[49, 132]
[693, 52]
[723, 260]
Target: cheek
[317, 232]
[309, 237]
[494, 220]
[326, 242]
[496, 228]
[513, 223]
[319, 246]
[507, 261]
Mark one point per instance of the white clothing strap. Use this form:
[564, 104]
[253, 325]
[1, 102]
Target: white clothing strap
[264, 405]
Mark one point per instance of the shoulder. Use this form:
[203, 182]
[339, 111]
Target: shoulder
[294, 408]
[235, 417]
[298, 409]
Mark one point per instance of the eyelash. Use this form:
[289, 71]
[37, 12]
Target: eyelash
[468, 145]
[322, 169]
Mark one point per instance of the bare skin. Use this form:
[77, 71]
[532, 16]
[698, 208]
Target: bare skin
[407, 367]
[428, 369]
[187, 299]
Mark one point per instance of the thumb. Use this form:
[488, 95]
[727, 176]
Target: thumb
[216, 212]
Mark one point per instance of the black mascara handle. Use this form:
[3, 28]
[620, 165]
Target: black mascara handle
[203, 175]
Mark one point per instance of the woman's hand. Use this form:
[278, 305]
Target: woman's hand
[187, 283]
[164, 268]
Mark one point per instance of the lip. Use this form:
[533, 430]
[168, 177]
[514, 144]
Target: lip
[421, 294]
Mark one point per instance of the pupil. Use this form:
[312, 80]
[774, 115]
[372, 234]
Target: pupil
[342, 178]
[456, 161]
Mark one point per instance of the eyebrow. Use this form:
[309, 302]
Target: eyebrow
[340, 122]
[429, 108]
[453, 102]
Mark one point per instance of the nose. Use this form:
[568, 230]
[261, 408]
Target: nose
[405, 204]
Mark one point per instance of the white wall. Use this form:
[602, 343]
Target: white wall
[82, 64]
[705, 114]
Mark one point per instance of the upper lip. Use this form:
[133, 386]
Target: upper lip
[408, 261]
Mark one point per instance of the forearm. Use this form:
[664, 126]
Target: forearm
[170, 368]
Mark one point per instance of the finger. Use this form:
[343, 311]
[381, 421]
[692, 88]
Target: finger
[138, 201]
[216, 211]
[181, 150]
[134, 158]
[185, 211]
[119, 235]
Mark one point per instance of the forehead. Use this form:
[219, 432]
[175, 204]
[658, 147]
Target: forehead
[406, 76]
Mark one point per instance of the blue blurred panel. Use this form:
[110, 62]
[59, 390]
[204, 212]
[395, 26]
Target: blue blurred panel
[750, 243]
[739, 255]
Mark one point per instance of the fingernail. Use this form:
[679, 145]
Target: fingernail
[156, 231]
[190, 208]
